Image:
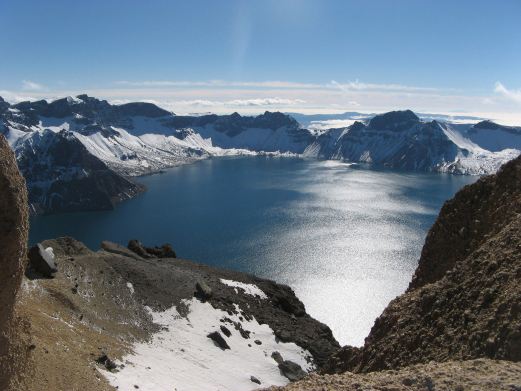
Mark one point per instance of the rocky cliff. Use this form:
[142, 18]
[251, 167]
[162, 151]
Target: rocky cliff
[14, 226]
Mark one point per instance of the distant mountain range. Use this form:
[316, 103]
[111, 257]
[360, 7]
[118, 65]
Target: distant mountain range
[77, 153]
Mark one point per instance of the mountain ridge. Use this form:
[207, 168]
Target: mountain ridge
[139, 138]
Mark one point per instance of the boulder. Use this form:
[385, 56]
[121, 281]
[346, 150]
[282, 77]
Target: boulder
[217, 338]
[115, 248]
[226, 331]
[41, 260]
[164, 251]
[202, 290]
[137, 247]
[292, 370]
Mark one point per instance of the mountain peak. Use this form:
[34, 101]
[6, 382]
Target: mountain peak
[142, 109]
[394, 120]
[487, 124]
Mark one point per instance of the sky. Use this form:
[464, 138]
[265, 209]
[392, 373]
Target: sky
[310, 56]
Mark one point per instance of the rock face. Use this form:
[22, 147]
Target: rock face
[63, 176]
[464, 301]
[14, 225]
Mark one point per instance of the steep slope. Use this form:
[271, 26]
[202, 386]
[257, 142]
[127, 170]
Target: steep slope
[62, 176]
[153, 318]
[495, 137]
[14, 230]
[465, 299]
[399, 139]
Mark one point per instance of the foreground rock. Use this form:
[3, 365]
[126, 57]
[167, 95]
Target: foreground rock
[465, 298]
[14, 226]
[114, 304]
[41, 261]
[476, 375]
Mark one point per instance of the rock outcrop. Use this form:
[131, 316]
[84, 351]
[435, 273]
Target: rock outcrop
[14, 227]
[464, 301]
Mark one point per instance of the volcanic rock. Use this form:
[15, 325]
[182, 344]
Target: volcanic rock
[41, 260]
[14, 226]
[219, 340]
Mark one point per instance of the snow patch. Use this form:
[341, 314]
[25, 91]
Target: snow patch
[249, 289]
[181, 356]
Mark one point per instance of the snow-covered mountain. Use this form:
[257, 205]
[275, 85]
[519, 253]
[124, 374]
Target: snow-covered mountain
[138, 138]
[62, 176]
[400, 139]
[127, 140]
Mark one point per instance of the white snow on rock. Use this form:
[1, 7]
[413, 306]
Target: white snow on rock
[181, 357]
[249, 289]
[130, 287]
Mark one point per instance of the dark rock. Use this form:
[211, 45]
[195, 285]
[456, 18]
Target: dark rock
[292, 370]
[258, 342]
[42, 261]
[217, 338]
[78, 180]
[226, 331]
[277, 357]
[165, 251]
[137, 247]
[115, 248]
[255, 380]
[106, 362]
[203, 291]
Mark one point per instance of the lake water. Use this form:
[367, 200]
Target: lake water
[346, 238]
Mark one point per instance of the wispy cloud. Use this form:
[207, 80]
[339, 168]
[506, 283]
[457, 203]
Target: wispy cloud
[348, 86]
[360, 86]
[243, 102]
[218, 84]
[28, 85]
[513, 95]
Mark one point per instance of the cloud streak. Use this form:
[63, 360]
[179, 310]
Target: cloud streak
[332, 85]
[258, 102]
[28, 85]
[513, 95]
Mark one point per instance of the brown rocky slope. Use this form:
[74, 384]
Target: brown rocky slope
[13, 238]
[465, 298]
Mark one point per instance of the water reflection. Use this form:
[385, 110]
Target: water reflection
[345, 238]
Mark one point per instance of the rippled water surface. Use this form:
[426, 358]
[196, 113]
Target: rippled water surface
[347, 239]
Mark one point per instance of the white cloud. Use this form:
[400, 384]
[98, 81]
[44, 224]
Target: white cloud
[514, 95]
[359, 86]
[265, 102]
[242, 102]
[29, 85]
[218, 84]
[332, 85]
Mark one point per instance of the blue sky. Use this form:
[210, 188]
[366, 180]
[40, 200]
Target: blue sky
[292, 55]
